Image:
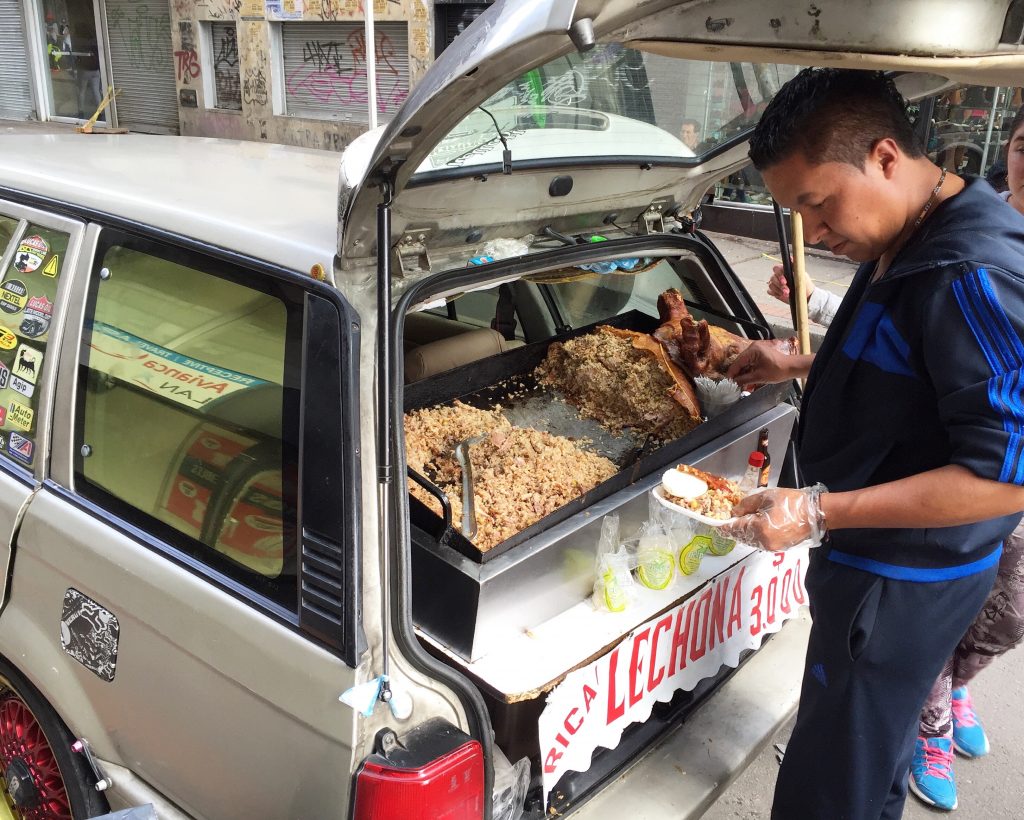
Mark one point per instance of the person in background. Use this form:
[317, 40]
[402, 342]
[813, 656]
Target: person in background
[948, 720]
[914, 466]
[689, 133]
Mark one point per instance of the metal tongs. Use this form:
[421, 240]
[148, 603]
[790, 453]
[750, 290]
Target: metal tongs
[468, 502]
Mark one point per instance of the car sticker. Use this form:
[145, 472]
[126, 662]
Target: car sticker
[89, 633]
[22, 386]
[20, 447]
[5, 374]
[31, 253]
[8, 341]
[20, 416]
[36, 321]
[13, 295]
[28, 363]
[3, 415]
[52, 267]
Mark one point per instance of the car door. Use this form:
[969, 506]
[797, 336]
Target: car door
[182, 573]
[37, 249]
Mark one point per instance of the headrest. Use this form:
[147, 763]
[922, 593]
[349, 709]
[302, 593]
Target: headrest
[445, 354]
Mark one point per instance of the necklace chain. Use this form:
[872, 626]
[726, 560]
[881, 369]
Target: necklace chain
[931, 199]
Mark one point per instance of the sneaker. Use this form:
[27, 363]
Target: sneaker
[931, 772]
[969, 737]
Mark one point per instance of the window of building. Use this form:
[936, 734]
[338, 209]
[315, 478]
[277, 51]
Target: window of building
[27, 295]
[325, 69]
[188, 413]
[223, 51]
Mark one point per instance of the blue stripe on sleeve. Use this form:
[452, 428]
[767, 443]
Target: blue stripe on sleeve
[1004, 352]
[918, 574]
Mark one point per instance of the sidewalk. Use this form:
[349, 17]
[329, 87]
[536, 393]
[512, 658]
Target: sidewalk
[33, 127]
[753, 259]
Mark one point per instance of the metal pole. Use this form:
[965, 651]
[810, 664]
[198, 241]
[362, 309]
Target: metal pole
[371, 64]
[988, 134]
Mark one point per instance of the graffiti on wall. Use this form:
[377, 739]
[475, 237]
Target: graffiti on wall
[223, 9]
[254, 90]
[335, 72]
[225, 69]
[141, 34]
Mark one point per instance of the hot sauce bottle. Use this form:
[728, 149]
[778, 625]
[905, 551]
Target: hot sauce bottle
[762, 447]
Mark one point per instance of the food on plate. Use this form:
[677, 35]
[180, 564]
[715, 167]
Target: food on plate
[623, 380]
[683, 485]
[716, 501]
[520, 475]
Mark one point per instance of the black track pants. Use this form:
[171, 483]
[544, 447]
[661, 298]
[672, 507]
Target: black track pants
[875, 649]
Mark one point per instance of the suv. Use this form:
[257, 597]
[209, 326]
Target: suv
[224, 597]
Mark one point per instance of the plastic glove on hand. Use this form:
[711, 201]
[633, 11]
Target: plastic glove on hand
[779, 519]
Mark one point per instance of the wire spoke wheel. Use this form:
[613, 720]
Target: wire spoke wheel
[32, 784]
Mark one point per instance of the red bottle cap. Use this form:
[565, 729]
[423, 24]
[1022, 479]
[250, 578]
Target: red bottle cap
[756, 459]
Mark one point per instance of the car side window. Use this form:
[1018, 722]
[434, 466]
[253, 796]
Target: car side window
[27, 293]
[188, 412]
[8, 226]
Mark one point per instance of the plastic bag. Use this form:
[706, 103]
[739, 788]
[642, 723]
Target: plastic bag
[690, 538]
[504, 248]
[654, 557]
[613, 581]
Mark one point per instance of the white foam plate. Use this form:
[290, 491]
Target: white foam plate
[659, 494]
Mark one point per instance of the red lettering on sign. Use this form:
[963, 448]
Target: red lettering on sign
[698, 646]
[798, 585]
[568, 726]
[636, 666]
[718, 613]
[588, 697]
[679, 636]
[773, 594]
[787, 580]
[551, 761]
[736, 607]
[652, 681]
[615, 710]
[756, 594]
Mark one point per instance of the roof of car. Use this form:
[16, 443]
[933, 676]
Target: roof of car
[273, 202]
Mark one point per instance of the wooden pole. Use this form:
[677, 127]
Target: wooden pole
[803, 332]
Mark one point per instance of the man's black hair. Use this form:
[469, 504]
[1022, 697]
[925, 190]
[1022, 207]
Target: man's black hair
[691, 121]
[832, 115]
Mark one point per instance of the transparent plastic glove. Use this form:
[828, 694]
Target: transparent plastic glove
[779, 519]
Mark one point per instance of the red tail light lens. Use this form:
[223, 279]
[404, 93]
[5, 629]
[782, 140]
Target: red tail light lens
[449, 787]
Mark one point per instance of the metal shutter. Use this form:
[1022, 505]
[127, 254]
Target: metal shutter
[325, 69]
[142, 65]
[15, 85]
[458, 18]
[226, 80]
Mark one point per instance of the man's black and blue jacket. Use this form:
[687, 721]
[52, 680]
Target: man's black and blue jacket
[921, 369]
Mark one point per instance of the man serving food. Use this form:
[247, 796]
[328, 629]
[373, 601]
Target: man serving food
[911, 435]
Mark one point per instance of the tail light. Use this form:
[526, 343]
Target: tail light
[435, 773]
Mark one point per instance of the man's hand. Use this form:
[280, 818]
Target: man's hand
[763, 363]
[778, 519]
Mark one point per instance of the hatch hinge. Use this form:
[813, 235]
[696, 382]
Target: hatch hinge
[653, 219]
[411, 252]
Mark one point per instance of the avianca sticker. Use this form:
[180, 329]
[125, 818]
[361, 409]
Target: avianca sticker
[8, 341]
[31, 253]
[20, 447]
[20, 416]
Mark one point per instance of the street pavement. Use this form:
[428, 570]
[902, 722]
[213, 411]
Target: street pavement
[989, 787]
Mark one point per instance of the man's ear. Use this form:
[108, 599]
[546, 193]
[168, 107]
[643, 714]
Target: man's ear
[885, 155]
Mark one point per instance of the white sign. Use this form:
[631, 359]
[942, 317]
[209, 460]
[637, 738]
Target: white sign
[677, 650]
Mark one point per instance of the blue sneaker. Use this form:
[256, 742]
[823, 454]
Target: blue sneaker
[969, 737]
[931, 772]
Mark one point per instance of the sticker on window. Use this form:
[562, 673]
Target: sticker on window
[182, 379]
[20, 416]
[13, 296]
[36, 318]
[8, 341]
[20, 447]
[31, 253]
[28, 363]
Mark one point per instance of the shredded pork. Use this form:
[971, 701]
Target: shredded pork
[520, 475]
[607, 378]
